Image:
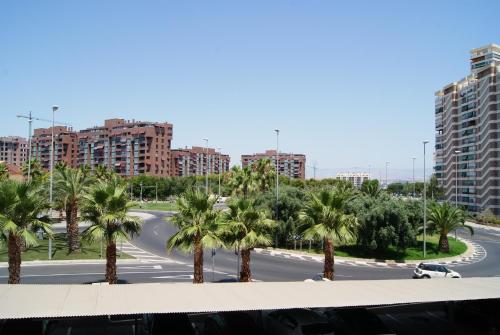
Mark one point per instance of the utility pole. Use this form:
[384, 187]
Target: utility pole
[425, 203]
[54, 109]
[314, 171]
[277, 170]
[220, 166]
[206, 164]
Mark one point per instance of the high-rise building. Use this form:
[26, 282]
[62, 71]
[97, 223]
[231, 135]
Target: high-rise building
[13, 150]
[289, 164]
[129, 148]
[196, 161]
[65, 148]
[467, 113]
[356, 179]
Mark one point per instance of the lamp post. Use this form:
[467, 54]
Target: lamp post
[425, 202]
[220, 167]
[386, 181]
[277, 170]
[413, 158]
[206, 169]
[51, 182]
[456, 177]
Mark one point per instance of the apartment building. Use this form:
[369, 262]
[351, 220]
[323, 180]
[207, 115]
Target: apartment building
[13, 150]
[197, 160]
[289, 165]
[356, 179]
[65, 146]
[129, 148]
[467, 114]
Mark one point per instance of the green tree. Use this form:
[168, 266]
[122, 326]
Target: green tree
[445, 218]
[22, 212]
[4, 172]
[247, 227]
[242, 181]
[434, 190]
[36, 171]
[198, 224]
[105, 207]
[371, 187]
[263, 174]
[325, 217]
[71, 186]
[102, 172]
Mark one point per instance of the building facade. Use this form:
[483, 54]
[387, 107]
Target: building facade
[13, 150]
[197, 160]
[289, 165]
[129, 148]
[65, 146]
[467, 113]
[356, 179]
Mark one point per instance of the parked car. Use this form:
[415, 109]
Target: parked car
[354, 321]
[430, 270]
[296, 322]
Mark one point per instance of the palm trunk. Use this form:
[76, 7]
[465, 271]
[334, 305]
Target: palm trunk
[198, 261]
[328, 272]
[14, 247]
[73, 233]
[443, 243]
[245, 273]
[111, 263]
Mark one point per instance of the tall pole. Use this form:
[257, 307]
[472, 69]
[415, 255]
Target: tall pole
[413, 176]
[30, 121]
[220, 166]
[456, 177]
[206, 164]
[156, 192]
[54, 109]
[369, 171]
[140, 194]
[277, 170]
[425, 203]
[386, 181]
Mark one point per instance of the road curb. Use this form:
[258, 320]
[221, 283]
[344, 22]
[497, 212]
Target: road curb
[475, 253]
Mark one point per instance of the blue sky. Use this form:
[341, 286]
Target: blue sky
[350, 84]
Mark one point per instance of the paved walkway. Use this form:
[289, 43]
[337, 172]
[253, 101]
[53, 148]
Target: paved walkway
[475, 253]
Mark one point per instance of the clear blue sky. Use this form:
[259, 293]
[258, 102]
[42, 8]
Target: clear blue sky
[348, 83]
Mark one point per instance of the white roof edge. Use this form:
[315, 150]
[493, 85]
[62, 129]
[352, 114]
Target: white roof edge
[52, 301]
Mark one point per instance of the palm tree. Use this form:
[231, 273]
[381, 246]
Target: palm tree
[35, 171]
[101, 172]
[198, 223]
[264, 174]
[446, 218]
[71, 186]
[105, 207]
[371, 188]
[246, 227]
[242, 181]
[4, 171]
[22, 212]
[325, 217]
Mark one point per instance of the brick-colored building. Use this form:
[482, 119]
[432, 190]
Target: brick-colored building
[195, 161]
[65, 146]
[289, 164]
[13, 150]
[130, 148]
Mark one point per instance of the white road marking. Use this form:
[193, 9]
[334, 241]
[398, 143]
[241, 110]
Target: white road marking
[175, 277]
[156, 233]
[91, 274]
[153, 267]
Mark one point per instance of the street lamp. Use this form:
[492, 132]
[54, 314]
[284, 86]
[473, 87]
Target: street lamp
[414, 176]
[277, 170]
[456, 177]
[220, 166]
[206, 170]
[54, 109]
[425, 202]
[386, 182]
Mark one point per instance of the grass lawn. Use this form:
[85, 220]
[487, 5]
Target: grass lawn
[60, 251]
[412, 253]
[160, 206]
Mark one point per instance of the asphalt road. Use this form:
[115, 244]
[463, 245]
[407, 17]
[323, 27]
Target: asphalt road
[178, 267]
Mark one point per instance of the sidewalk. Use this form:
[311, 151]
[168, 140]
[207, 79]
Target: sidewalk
[474, 253]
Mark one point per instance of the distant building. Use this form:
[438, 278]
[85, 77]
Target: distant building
[289, 165]
[13, 150]
[65, 146]
[467, 133]
[356, 179]
[197, 160]
[129, 148]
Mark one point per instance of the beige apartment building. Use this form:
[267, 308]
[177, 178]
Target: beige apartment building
[13, 150]
[129, 148]
[196, 161]
[289, 165]
[356, 179]
[467, 114]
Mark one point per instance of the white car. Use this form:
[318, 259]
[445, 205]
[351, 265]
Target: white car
[430, 270]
